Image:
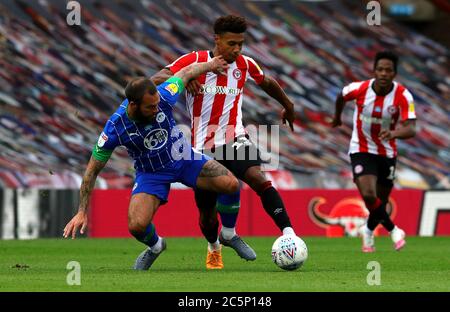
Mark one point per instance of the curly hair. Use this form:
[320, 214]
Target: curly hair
[389, 55]
[230, 23]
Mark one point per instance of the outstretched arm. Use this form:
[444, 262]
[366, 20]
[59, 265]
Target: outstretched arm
[161, 76]
[216, 65]
[87, 185]
[272, 88]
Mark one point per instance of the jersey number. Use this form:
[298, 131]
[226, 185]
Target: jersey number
[392, 173]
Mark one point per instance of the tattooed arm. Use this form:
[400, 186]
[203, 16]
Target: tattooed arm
[217, 65]
[87, 185]
[90, 176]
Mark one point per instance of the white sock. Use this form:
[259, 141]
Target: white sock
[228, 233]
[368, 231]
[395, 229]
[214, 246]
[158, 246]
[288, 231]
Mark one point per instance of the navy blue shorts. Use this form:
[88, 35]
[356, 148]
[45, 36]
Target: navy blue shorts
[158, 183]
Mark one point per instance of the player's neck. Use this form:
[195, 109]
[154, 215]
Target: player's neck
[382, 91]
[130, 114]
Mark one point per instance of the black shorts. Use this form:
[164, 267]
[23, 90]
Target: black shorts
[237, 156]
[381, 167]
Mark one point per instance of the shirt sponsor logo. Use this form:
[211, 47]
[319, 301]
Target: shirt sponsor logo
[376, 121]
[102, 139]
[172, 88]
[156, 139]
[220, 90]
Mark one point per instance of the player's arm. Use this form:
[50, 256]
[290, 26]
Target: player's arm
[161, 76]
[349, 93]
[216, 65]
[273, 89]
[407, 127]
[406, 130]
[193, 87]
[87, 185]
[338, 108]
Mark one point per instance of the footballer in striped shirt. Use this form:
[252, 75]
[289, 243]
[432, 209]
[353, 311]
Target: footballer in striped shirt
[384, 112]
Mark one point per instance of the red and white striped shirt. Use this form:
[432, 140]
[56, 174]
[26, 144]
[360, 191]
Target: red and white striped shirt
[216, 113]
[373, 113]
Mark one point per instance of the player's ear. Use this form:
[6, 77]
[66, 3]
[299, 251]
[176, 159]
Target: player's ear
[216, 38]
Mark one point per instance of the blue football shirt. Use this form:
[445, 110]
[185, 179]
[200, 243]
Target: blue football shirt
[152, 145]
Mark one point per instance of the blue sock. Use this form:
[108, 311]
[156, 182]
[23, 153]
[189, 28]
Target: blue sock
[228, 208]
[149, 237]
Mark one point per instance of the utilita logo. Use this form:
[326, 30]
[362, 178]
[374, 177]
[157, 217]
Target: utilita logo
[346, 217]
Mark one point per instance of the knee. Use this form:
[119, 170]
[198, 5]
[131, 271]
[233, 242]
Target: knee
[369, 198]
[258, 182]
[135, 227]
[231, 185]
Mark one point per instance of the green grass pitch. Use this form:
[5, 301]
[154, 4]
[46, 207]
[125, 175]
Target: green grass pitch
[333, 265]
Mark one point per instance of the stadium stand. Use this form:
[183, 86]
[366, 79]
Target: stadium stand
[60, 83]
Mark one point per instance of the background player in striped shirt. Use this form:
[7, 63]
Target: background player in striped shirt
[214, 103]
[144, 125]
[380, 104]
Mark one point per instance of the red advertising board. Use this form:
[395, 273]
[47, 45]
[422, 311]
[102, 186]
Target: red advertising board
[312, 212]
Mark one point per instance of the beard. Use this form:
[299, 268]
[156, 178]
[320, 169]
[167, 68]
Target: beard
[144, 119]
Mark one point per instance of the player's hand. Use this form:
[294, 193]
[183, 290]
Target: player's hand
[288, 116]
[386, 135]
[79, 220]
[219, 65]
[336, 122]
[193, 87]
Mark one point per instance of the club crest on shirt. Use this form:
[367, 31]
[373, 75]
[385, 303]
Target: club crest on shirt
[102, 139]
[160, 117]
[237, 74]
[392, 110]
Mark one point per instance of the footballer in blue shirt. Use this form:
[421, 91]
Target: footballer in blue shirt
[145, 126]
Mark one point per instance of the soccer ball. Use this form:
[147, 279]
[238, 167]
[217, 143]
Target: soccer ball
[289, 252]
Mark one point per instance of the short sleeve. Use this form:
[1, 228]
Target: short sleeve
[106, 143]
[254, 70]
[182, 62]
[350, 92]
[407, 109]
[170, 90]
